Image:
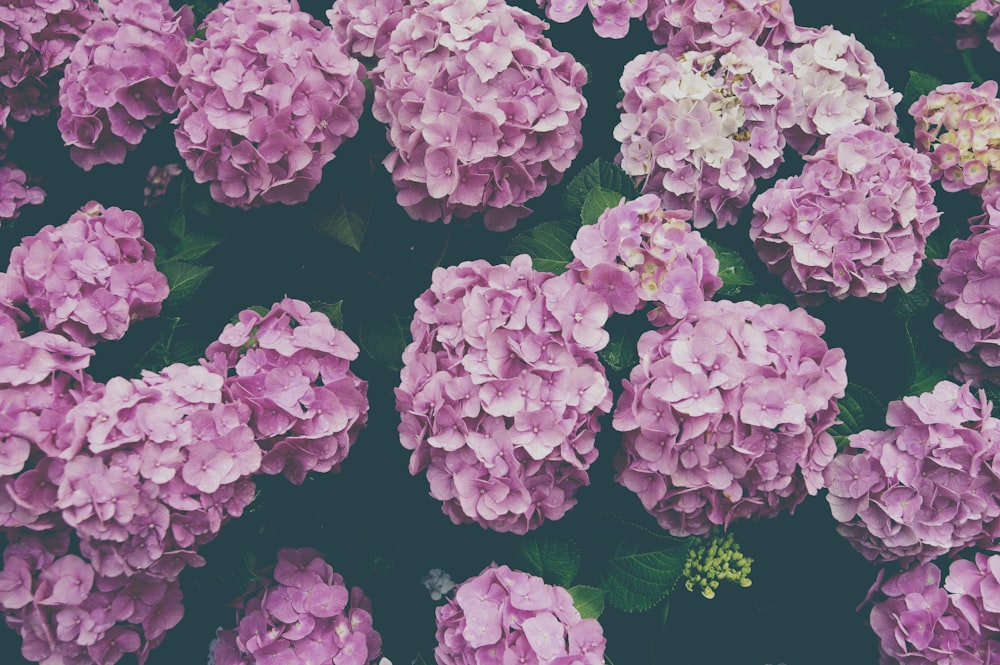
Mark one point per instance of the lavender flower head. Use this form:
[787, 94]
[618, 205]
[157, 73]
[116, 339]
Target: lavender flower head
[959, 127]
[482, 112]
[710, 25]
[301, 612]
[16, 192]
[291, 367]
[926, 487]
[501, 390]
[974, 588]
[504, 615]
[637, 253]
[91, 277]
[969, 291]
[265, 99]
[120, 79]
[855, 223]
[611, 17]
[969, 34]
[363, 27]
[701, 128]
[725, 416]
[158, 179]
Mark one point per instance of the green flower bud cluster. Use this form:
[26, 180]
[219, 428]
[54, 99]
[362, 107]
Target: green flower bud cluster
[720, 560]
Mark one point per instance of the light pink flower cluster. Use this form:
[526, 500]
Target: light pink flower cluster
[959, 127]
[501, 391]
[701, 128]
[482, 112]
[300, 613]
[265, 99]
[854, 223]
[974, 589]
[926, 487]
[120, 79]
[969, 291]
[638, 253]
[707, 25]
[725, 416]
[969, 35]
[362, 27]
[68, 613]
[504, 615]
[16, 192]
[158, 179]
[611, 17]
[833, 82]
[89, 278]
[36, 37]
[291, 367]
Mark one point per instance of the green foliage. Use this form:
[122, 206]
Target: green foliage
[621, 355]
[908, 305]
[548, 245]
[597, 201]
[733, 270]
[909, 23]
[860, 409]
[553, 557]
[588, 600]
[925, 373]
[347, 223]
[334, 311]
[184, 278]
[917, 85]
[599, 173]
[383, 338]
[165, 344]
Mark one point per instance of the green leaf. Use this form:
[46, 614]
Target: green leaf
[860, 409]
[642, 572]
[164, 346]
[193, 247]
[620, 354]
[924, 372]
[554, 558]
[917, 85]
[334, 311]
[733, 270]
[597, 201]
[908, 305]
[588, 600]
[908, 22]
[177, 222]
[184, 278]
[347, 224]
[384, 338]
[548, 245]
[599, 173]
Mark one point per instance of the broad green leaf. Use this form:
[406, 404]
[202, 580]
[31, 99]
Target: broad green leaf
[193, 247]
[588, 600]
[642, 572]
[164, 346]
[554, 558]
[548, 245]
[599, 173]
[384, 339]
[347, 224]
[597, 201]
[620, 354]
[771, 298]
[334, 311]
[177, 221]
[924, 372]
[909, 305]
[860, 409]
[917, 85]
[733, 270]
[184, 278]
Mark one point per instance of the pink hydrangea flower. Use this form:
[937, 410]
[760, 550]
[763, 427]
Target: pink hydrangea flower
[707, 25]
[611, 17]
[855, 223]
[637, 253]
[16, 192]
[507, 616]
[482, 112]
[969, 291]
[265, 98]
[725, 416]
[701, 128]
[969, 35]
[120, 79]
[157, 181]
[974, 589]
[501, 390]
[89, 278]
[301, 612]
[363, 27]
[928, 486]
[291, 367]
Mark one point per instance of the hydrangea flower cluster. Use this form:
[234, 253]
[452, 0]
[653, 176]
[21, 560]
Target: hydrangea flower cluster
[611, 17]
[720, 560]
[959, 127]
[969, 291]
[725, 416]
[926, 487]
[68, 613]
[834, 82]
[504, 615]
[969, 35]
[265, 99]
[363, 27]
[854, 223]
[482, 112]
[89, 278]
[291, 367]
[438, 583]
[920, 623]
[501, 390]
[16, 192]
[637, 253]
[701, 128]
[120, 79]
[36, 37]
[301, 612]
[158, 179]
[709, 25]
[973, 586]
